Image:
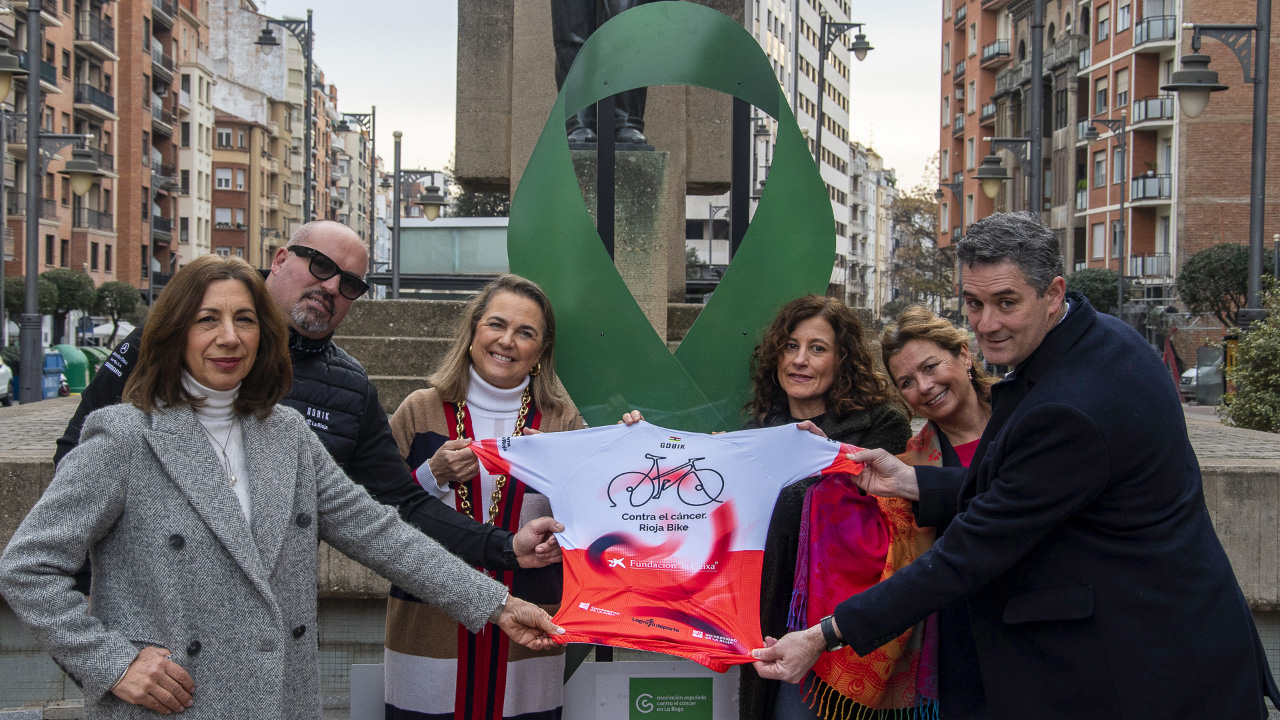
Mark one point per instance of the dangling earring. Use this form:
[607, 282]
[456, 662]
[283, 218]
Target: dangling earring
[970, 373]
[536, 369]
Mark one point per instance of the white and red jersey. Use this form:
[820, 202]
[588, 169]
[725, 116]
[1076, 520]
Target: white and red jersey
[664, 530]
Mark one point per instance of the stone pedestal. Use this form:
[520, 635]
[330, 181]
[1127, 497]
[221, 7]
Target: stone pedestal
[645, 202]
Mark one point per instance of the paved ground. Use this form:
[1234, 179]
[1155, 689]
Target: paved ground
[30, 431]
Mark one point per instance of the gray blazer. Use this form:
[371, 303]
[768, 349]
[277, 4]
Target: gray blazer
[177, 566]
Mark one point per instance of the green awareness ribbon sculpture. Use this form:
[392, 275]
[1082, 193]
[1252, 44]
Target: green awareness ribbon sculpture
[608, 355]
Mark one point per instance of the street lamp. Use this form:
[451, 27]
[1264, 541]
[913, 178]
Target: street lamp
[992, 174]
[369, 122]
[301, 30]
[829, 32]
[1119, 130]
[431, 202]
[1195, 81]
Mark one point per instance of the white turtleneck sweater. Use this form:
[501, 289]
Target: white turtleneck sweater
[219, 420]
[493, 412]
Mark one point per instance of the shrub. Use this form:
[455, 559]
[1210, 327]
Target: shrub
[1256, 402]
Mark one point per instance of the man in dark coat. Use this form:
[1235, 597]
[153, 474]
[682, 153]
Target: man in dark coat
[1095, 582]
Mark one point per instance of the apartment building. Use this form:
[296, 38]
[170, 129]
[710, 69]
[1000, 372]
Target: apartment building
[977, 44]
[233, 154]
[884, 237]
[352, 189]
[76, 73]
[788, 32]
[195, 132]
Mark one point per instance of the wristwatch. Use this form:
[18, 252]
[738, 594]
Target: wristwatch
[828, 625]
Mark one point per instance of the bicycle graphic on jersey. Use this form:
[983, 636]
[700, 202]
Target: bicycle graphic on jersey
[694, 486]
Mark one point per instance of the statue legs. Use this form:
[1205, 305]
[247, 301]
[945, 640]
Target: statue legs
[572, 22]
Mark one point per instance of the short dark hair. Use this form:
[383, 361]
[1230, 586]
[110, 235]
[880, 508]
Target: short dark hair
[158, 377]
[859, 384]
[1016, 237]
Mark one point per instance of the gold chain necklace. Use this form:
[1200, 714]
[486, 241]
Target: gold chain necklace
[501, 480]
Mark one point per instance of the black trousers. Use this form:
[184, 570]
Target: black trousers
[572, 22]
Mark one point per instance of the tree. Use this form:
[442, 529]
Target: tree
[15, 295]
[1100, 285]
[921, 271]
[75, 292]
[465, 203]
[115, 300]
[1256, 402]
[1216, 281]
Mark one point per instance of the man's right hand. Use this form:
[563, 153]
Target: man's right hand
[156, 682]
[885, 475]
[454, 462]
[535, 545]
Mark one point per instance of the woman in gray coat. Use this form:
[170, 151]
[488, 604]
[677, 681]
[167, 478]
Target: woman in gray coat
[201, 503]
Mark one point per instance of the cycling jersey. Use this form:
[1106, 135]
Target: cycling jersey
[664, 530]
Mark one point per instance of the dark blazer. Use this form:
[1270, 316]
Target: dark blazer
[1096, 584]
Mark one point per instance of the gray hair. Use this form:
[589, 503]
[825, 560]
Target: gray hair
[1016, 237]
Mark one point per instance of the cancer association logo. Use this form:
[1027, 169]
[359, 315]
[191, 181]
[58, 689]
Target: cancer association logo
[694, 486]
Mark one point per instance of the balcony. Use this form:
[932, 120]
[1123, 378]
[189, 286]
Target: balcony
[962, 13]
[994, 4]
[166, 171]
[957, 125]
[1155, 29]
[1155, 265]
[48, 12]
[163, 12]
[1065, 51]
[161, 119]
[94, 101]
[15, 133]
[1012, 79]
[996, 53]
[959, 75]
[106, 161]
[988, 114]
[273, 127]
[90, 219]
[161, 64]
[958, 177]
[48, 73]
[184, 102]
[1153, 109]
[1151, 187]
[955, 234]
[96, 35]
[272, 202]
[161, 228]
[16, 206]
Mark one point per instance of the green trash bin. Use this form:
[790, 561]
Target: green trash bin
[96, 356]
[75, 367]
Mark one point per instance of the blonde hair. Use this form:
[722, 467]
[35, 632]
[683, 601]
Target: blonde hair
[918, 322]
[452, 378]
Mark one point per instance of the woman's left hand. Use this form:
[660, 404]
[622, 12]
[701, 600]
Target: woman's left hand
[528, 624]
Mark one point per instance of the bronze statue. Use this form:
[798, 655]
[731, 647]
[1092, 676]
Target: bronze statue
[572, 22]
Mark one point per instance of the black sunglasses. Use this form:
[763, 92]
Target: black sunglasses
[323, 267]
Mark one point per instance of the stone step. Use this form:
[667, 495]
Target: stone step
[401, 318]
[403, 356]
[393, 389]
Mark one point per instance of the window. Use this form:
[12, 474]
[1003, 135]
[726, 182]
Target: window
[66, 193]
[65, 246]
[973, 39]
[106, 258]
[48, 249]
[186, 133]
[93, 256]
[1104, 24]
[146, 34]
[1100, 168]
[1061, 113]
[184, 229]
[1122, 88]
[1122, 18]
[1099, 233]
[968, 153]
[222, 178]
[970, 98]
[186, 82]
[240, 138]
[239, 217]
[946, 57]
[946, 111]
[224, 138]
[968, 210]
[944, 163]
[1117, 166]
[184, 181]
[66, 64]
[222, 218]
[66, 123]
[1100, 93]
[240, 179]
[223, 250]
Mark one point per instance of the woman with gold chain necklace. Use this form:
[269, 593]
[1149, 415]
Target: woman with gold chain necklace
[498, 379]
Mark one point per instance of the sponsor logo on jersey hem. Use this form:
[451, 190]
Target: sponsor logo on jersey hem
[715, 638]
[589, 608]
[650, 622]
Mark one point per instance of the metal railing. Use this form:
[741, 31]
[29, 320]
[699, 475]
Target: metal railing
[1155, 28]
[1153, 108]
[96, 29]
[957, 125]
[86, 93]
[1064, 51]
[162, 224]
[93, 219]
[960, 66]
[48, 73]
[161, 58]
[1151, 187]
[15, 130]
[16, 205]
[962, 12]
[159, 114]
[997, 49]
[1155, 265]
[166, 170]
[988, 111]
[168, 8]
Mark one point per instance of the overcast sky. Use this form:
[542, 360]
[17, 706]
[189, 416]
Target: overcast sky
[401, 55]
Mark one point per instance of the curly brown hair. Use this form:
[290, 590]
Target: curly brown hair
[859, 384]
[158, 378]
[918, 322]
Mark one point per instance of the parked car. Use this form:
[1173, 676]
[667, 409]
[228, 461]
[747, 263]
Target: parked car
[1187, 386]
[6, 384]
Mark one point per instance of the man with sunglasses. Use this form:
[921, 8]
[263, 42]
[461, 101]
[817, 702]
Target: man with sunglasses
[314, 279]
